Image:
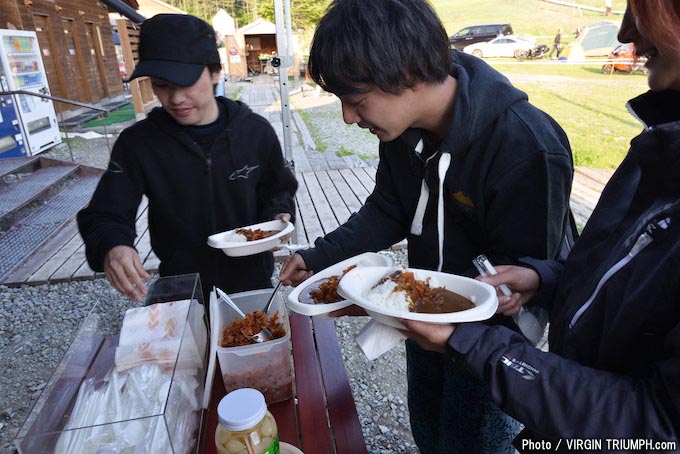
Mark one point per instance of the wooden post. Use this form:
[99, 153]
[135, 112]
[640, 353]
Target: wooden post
[142, 94]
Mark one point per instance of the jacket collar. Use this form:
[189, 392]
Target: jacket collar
[656, 107]
[657, 149]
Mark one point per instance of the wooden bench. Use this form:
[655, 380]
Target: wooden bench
[322, 417]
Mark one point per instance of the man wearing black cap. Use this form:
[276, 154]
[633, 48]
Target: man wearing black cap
[206, 165]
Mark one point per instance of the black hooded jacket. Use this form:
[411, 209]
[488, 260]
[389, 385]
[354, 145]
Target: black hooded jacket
[506, 191]
[192, 194]
[613, 371]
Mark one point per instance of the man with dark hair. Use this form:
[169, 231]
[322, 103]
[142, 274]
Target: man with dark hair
[557, 45]
[467, 166]
[206, 165]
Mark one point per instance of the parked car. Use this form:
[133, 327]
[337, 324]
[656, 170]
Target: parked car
[477, 34]
[623, 59]
[503, 46]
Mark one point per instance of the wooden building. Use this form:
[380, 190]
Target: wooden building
[76, 41]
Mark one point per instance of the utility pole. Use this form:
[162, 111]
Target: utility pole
[284, 44]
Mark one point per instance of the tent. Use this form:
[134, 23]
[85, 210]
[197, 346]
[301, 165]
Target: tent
[598, 39]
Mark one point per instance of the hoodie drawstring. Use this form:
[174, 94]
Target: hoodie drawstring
[417, 222]
[444, 163]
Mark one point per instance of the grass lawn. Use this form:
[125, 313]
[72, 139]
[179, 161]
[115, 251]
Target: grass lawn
[124, 113]
[589, 105]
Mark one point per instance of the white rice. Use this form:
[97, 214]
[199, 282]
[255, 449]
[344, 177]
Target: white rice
[234, 238]
[384, 295]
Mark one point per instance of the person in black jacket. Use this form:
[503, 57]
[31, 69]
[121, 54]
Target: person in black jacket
[206, 165]
[467, 166]
[612, 376]
[557, 45]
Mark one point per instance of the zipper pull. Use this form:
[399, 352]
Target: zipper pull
[652, 230]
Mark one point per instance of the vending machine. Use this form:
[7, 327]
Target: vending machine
[24, 70]
[11, 141]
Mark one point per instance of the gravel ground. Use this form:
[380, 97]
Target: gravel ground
[38, 323]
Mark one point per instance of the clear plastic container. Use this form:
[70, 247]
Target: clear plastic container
[266, 367]
[245, 424]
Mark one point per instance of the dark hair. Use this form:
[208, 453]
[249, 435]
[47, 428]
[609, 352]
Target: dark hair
[661, 19]
[214, 68]
[392, 44]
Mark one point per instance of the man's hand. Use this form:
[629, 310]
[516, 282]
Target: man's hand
[430, 336]
[294, 270]
[284, 217]
[123, 269]
[522, 281]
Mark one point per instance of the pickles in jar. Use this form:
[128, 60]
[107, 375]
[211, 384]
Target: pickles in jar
[245, 424]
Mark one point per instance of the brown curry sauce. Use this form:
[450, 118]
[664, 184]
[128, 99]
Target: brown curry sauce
[426, 299]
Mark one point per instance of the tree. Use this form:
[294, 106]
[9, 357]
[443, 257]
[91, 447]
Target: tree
[305, 14]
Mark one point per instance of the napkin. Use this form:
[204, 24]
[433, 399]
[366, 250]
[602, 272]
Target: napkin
[154, 334]
[376, 338]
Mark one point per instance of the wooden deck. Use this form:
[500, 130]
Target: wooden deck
[325, 200]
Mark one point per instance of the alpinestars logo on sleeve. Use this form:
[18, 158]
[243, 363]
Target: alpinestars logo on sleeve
[242, 173]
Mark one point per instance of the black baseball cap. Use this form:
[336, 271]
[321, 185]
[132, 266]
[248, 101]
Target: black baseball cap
[176, 48]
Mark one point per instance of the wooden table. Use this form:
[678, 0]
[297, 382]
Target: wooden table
[322, 417]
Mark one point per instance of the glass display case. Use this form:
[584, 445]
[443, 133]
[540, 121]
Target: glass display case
[131, 382]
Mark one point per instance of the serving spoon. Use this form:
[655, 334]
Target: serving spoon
[264, 335]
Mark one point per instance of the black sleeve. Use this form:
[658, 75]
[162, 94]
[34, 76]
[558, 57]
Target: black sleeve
[109, 219]
[379, 224]
[561, 398]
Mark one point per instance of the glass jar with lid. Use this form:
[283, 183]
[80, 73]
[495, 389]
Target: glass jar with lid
[245, 424]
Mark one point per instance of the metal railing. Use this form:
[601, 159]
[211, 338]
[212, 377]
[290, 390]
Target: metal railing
[61, 114]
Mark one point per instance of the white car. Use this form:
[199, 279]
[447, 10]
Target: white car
[503, 46]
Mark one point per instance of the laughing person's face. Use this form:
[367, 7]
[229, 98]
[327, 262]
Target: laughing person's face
[663, 61]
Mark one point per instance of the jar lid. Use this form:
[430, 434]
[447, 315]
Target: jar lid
[241, 409]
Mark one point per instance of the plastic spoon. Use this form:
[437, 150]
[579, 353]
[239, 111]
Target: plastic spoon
[525, 320]
[229, 301]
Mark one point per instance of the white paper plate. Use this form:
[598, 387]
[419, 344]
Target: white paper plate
[368, 259]
[358, 281]
[218, 240]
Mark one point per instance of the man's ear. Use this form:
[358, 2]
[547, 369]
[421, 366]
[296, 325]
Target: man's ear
[215, 77]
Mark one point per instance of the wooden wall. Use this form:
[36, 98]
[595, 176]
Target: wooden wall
[76, 40]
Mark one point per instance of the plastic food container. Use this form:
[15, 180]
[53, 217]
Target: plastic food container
[266, 367]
